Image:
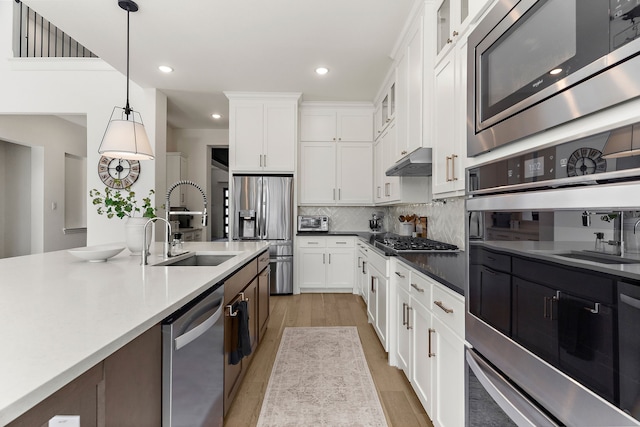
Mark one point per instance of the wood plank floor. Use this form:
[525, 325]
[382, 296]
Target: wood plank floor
[400, 404]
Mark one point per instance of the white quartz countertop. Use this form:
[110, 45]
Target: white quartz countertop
[62, 315]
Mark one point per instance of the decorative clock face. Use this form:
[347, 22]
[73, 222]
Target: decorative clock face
[118, 173]
[586, 161]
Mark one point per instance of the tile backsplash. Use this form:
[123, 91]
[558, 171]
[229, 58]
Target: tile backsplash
[445, 218]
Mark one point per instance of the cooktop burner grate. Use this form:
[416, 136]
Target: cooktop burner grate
[416, 244]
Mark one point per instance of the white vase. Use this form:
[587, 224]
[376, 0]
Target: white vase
[134, 228]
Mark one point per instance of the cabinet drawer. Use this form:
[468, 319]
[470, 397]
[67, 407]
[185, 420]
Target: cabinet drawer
[401, 276]
[340, 242]
[312, 242]
[263, 260]
[421, 289]
[449, 308]
[380, 262]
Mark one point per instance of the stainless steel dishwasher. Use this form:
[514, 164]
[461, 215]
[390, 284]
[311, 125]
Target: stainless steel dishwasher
[193, 362]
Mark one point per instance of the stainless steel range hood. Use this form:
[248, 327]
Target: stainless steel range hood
[417, 163]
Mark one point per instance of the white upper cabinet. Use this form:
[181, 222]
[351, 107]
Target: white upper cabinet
[453, 18]
[336, 173]
[262, 131]
[334, 123]
[409, 91]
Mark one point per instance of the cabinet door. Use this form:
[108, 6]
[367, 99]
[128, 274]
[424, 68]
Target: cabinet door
[247, 135]
[422, 372]
[378, 170]
[279, 137]
[403, 331]
[354, 125]
[415, 76]
[391, 187]
[449, 379]
[312, 267]
[442, 180]
[317, 125]
[317, 173]
[382, 309]
[402, 87]
[534, 318]
[176, 171]
[355, 173]
[251, 295]
[340, 268]
[263, 301]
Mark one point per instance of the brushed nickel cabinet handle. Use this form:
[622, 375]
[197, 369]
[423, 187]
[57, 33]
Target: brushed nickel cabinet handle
[447, 169]
[449, 41]
[404, 313]
[431, 354]
[409, 318]
[372, 288]
[453, 167]
[364, 265]
[455, 33]
[329, 258]
[323, 258]
[445, 309]
[399, 275]
[414, 286]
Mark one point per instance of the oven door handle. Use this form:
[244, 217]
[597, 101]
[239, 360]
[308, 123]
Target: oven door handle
[519, 408]
[196, 332]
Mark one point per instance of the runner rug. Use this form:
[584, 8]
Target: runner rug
[320, 378]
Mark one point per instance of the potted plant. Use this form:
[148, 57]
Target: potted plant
[124, 204]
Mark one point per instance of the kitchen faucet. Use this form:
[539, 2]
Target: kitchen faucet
[145, 248]
[169, 212]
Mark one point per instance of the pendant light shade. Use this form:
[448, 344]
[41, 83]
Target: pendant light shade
[125, 137]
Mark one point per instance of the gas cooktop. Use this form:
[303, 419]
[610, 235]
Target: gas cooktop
[414, 244]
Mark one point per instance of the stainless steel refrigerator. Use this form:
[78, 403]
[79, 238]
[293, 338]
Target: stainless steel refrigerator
[263, 210]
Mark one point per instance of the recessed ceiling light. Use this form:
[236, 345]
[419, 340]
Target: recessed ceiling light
[555, 71]
[216, 116]
[165, 68]
[322, 70]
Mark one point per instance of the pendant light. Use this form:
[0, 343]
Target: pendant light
[125, 137]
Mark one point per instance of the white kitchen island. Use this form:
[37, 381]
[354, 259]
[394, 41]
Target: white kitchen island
[61, 315]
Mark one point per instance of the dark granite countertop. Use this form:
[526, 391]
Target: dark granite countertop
[447, 268]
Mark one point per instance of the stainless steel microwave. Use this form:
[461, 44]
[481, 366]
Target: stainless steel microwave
[313, 223]
[535, 64]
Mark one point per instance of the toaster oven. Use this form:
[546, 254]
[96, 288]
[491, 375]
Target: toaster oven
[313, 223]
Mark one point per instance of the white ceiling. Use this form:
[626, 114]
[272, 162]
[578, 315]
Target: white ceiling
[239, 45]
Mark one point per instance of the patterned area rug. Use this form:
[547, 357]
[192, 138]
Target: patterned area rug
[320, 378]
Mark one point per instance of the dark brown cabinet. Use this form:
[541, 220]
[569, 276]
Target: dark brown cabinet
[247, 284]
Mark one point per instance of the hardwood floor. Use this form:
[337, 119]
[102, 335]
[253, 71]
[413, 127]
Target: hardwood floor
[400, 404]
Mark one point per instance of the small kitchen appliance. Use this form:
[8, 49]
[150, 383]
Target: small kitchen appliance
[376, 222]
[313, 223]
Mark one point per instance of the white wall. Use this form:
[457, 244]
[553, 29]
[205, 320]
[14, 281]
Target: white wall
[32, 86]
[196, 145]
[44, 141]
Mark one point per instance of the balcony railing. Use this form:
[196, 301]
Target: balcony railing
[37, 37]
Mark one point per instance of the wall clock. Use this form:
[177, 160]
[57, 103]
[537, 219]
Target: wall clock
[586, 161]
[118, 173]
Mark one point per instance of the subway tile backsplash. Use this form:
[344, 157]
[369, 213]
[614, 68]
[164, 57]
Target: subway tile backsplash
[445, 218]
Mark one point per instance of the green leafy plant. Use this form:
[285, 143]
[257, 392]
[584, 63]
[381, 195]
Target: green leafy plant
[121, 203]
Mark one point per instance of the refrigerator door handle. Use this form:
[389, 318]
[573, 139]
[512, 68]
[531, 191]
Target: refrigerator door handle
[263, 208]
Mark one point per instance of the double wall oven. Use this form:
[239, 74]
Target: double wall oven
[553, 299]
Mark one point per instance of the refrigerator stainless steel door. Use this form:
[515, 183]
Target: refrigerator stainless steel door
[246, 207]
[281, 278]
[276, 222]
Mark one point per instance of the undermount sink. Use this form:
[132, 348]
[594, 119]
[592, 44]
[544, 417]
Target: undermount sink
[195, 259]
[600, 258]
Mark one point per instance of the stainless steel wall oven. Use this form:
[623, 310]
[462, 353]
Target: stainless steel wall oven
[534, 64]
[553, 301]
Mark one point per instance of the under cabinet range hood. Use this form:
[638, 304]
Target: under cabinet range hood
[416, 163]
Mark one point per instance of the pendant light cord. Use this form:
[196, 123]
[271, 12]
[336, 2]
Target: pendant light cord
[127, 108]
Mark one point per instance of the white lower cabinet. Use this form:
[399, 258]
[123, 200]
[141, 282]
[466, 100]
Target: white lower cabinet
[378, 295]
[428, 333]
[325, 263]
[362, 272]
